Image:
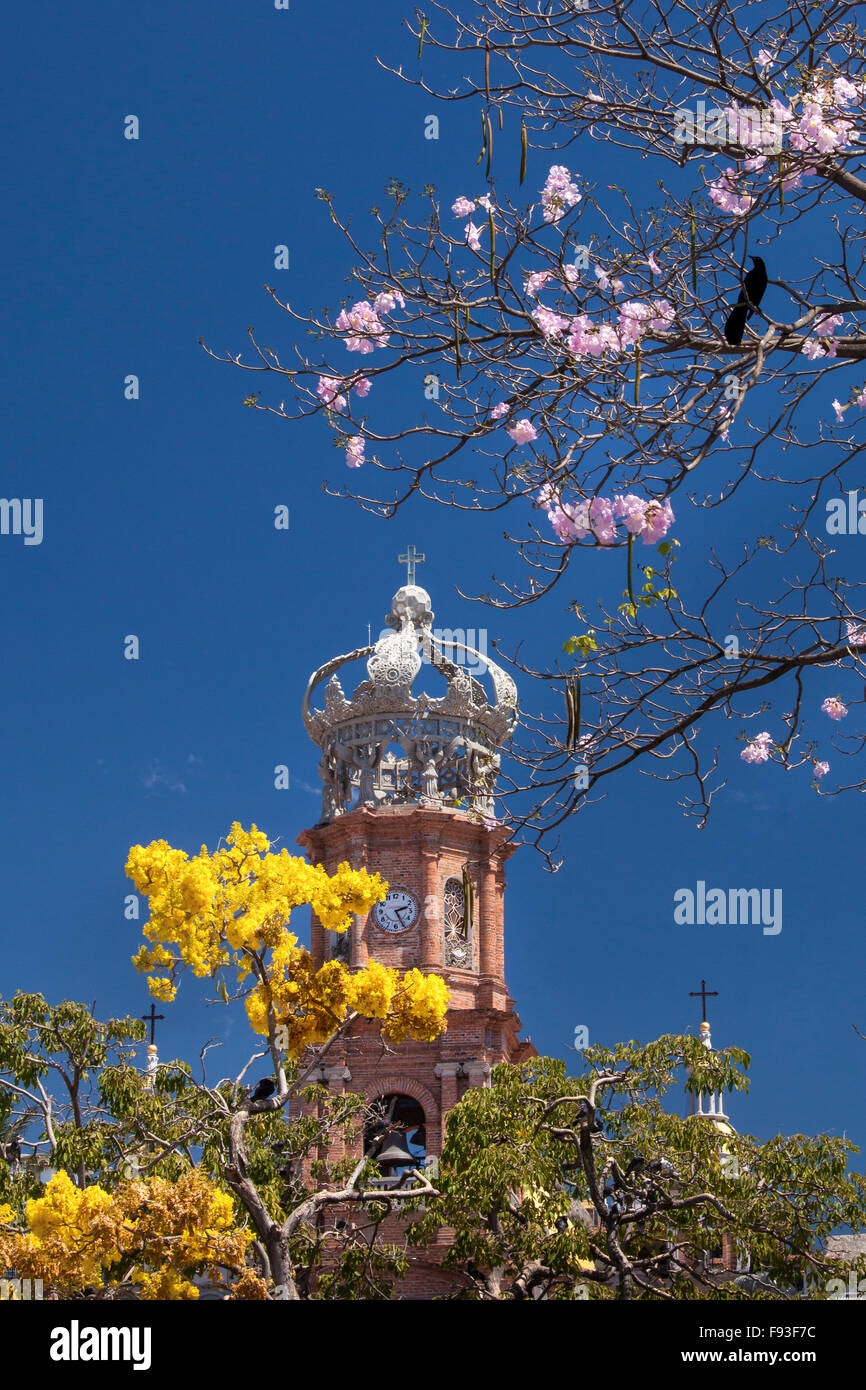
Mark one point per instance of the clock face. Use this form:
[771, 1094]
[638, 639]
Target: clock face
[398, 912]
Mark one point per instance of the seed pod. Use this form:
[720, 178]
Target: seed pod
[468, 900]
[523, 148]
[422, 33]
[569, 715]
[575, 700]
[489, 144]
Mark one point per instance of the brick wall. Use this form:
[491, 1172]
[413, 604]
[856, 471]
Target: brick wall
[419, 849]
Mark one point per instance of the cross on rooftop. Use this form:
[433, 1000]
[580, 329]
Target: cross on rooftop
[411, 559]
[152, 1019]
[703, 994]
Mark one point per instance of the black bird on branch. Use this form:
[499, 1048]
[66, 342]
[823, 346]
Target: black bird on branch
[754, 284]
[264, 1090]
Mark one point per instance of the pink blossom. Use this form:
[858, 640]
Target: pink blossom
[362, 386]
[821, 769]
[565, 522]
[726, 418]
[572, 522]
[535, 281]
[840, 411]
[795, 180]
[632, 317]
[826, 326]
[384, 302]
[472, 236]
[551, 324]
[813, 348]
[355, 451]
[499, 410]
[654, 265]
[860, 398]
[664, 315]
[602, 520]
[834, 707]
[602, 278]
[659, 519]
[765, 57]
[814, 132]
[523, 432]
[328, 390]
[632, 509]
[462, 207]
[587, 339]
[758, 749]
[570, 275]
[723, 192]
[485, 203]
[823, 343]
[364, 327]
[844, 91]
[857, 637]
[559, 193]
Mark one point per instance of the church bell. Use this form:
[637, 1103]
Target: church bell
[396, 1152]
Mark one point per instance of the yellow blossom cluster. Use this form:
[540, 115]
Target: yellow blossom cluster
[158, 1229]
[231, 909]
[308, 1003]
[216, 909]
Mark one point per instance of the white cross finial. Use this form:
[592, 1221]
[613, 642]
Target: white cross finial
[410, 560]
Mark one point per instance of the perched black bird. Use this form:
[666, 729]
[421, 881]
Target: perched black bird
[754, 284]
[635, 1166]
[264, 1090]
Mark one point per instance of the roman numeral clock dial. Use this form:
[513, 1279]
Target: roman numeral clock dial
[398, 912]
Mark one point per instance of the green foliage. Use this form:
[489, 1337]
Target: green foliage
[589, 1187]
[583, 645]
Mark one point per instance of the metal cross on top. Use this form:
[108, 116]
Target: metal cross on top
[703, 994]
[411, 559]
[152, 1019]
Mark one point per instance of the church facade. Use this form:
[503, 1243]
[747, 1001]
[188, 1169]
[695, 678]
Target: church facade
[408, 785]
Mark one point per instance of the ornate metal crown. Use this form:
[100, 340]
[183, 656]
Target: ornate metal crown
[387, 746]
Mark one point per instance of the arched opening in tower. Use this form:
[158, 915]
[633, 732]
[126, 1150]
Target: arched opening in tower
[395, 1134]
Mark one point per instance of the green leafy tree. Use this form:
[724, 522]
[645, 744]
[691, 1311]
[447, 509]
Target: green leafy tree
[588, 1187]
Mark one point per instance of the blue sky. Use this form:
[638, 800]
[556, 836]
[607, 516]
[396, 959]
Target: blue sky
[117, 257]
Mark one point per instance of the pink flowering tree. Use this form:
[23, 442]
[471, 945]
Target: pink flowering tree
[564, 351]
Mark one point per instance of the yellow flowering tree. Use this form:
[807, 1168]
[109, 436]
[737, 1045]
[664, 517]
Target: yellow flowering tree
[225, 916]
[151, 1235]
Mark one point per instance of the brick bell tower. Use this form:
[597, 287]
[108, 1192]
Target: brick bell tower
[408, 791]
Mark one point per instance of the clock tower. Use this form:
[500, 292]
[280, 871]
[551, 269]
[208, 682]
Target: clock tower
[408, 784]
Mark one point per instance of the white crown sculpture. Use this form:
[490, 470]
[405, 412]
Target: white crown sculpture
[387, 746]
